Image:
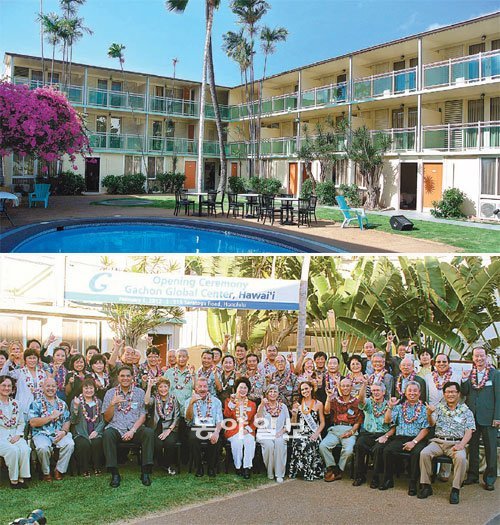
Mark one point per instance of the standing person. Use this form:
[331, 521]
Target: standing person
[285, 380]
[481, 388]
[257, 380]
[217, 353]
[409, 418]
[77, 373]
[90, 352]
[240, 354]
[241, 434]
[125, 414]
[454, 423]
[58, 371]
[404, 350]
[13, 448]
[209, 371]
[123, 356]
[150, 369]
[87, 425]
[380, 375]
[15, 351]
[227, 379]
[100, 375]
[268, 366]
[308, 373]
[373, 434]
[171, 359]
[355, 374]
[347, 418]
[204, 419]
[333, 377]
[49, 419]
[308, 418]
[272, 432]
[368, 350]
[406, 376]
[29, 379]
[3, 358]
[425, 356]
[165, 421]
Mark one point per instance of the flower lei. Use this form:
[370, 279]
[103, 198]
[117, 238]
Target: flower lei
[176, 378]
[354, 378]
[241, 412]
[60, 376]
[460, 409]
[45, 407]
[224, 382]
[84, 410]
[418, 409]
[164, 409]
[203, 373]
[273, 412]
[438, 383]
[30, 382]
[473, 377]
[267, 367]
[11, 421]
[150, 372]
[377, 377]
[128, 400]
[332, 381]
[281, 381]
[208, 413]
[340, 401]
[399, 382]
[379, 409]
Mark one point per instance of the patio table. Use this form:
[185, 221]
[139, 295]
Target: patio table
[198, 194]
[249, 196]
[287, 204]
[6, 196]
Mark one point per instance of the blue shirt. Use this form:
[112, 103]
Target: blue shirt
[201, 415]
[371, 422]
[42, 408]
[405, 428]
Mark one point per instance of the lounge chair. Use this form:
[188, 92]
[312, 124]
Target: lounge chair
[41, 194]
[348, 212]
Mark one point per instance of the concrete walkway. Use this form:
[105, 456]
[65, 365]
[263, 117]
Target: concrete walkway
[305, 503]
[326, 231]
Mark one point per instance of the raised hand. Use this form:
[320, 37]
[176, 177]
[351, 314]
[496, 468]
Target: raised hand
[392, 402]
[195, 397]
[344, 344]
[430, 408]
[390, 337]
[56, 414]
[76, 401]
[466, 373]
[117, 342]
[227, 338]
[117, 399]
[289, 357]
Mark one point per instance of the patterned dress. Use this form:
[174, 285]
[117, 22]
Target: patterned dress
[306, 459]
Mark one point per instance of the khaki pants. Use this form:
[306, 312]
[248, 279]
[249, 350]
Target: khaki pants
[440, 447]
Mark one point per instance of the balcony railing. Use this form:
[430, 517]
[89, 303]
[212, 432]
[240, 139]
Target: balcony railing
[116, 99]
[73, 93]
[324, 95]
[460, 137]
[116, 141]
[402, 139]
[174, 106]
[278, 104]
[462, 70]
[385, 84]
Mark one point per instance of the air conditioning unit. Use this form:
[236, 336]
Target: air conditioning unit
[489, 209]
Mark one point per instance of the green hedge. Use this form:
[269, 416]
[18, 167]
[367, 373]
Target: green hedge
[124, 184]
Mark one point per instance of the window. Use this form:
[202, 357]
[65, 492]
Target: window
[157, 125]
[474, 49]
[132, 164]
[115, 125]
[412, 117]
[414, 62]
[495, 44]
[23, 166]
[116, 85]
[81, 333]
[339, 172]
[101, 123]
[36, 75]
[52, 168]
[54, 78]
[398, 118]
[102, 83]
[398, 66]
[155, 166]
[490, 176]
[475, 110]
[23, 72]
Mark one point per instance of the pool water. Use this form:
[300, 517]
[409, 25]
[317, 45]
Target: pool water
[144, 238]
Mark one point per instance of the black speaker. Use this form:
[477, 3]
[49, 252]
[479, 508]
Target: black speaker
[401, 223]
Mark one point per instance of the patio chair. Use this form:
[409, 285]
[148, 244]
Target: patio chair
[303, 213]
[313, 201]
[41, 194]
[221, 202]
[347, 212]
[235, 205]
[268, 210]
[3, 210]
[210, 202]
[182, 201]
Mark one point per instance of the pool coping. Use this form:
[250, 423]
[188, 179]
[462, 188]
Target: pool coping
[13, 238]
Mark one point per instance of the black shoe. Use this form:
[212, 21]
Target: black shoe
[374, 483]
[425, 491]
[211, 473]
[145, 479]
[387, 484]
[454, 496]
[358, 481]
[239, 472]
[412, 489]
[246, 473]
[199, 472]
[23, 485]
[470, 481]
[115, 481]
[15, 486]
[489, 486]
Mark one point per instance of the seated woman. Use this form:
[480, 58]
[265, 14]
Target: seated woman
[59, 372]
[309, 420]
[98, 365]
[75, 377]
[166, 420]
[13, 448]
[241, 434]
[274, 423]
[87, 425]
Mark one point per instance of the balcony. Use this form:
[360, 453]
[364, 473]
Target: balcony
[105, 98]
[116, 142]
[402, 139]
[174, 106]
[73, 93]
[462, 70]
[462, 137]
[385, 84]
[270, 106]
[324, 96]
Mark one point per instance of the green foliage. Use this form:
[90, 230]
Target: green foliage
[307, 189]
[326, 192]
[170, 182]
[237, 184]
[270, 186]
[67, 183]
[351, 193]
[449, 206]
[124, 184]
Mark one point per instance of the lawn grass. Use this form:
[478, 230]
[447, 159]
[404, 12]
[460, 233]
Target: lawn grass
[468, 239]
[91, 501]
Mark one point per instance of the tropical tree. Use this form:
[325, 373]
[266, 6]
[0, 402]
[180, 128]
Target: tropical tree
[51, 24]
[40, 15]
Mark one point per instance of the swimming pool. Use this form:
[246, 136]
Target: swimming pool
[120, 235]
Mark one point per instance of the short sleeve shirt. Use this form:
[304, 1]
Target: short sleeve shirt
[127, 412]
[374, 423]
[42, 408]
[206, 412]
[403, 415]
[453, 424]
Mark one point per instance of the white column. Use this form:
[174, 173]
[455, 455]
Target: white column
[420, 185]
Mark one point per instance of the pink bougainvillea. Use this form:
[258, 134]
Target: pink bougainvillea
[40, 122]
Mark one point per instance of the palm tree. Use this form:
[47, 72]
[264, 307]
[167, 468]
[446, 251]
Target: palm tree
[70, 26]
[75, 30]
[51, 28]
[179, 6]
[41, 40]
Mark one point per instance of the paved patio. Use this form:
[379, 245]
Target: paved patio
[326, 231]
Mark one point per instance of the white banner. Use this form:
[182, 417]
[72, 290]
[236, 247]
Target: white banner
[89, 285]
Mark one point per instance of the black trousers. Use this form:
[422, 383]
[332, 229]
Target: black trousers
[366, 444]
[393, 447]
[165, 449]
[490, 450]
[211, 450]
[88, 452]
[144, 437]
[183, 432]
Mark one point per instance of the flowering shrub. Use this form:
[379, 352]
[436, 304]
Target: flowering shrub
[40, 122]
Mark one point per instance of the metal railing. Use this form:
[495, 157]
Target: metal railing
[462, 70]
[116, 99]
[461, 137]
[402, 139]
[385, 84]
[278, 104]
[324, 95]
[116, 141]
[74, 93]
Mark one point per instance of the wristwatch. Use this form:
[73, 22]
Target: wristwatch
[415, 441]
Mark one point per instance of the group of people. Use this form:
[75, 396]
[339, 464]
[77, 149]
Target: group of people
[305, 415]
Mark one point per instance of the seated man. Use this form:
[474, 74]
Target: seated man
[204, 418]
[49, 419]
[125, 413]
[454, 424]
[347, 418]
[412, 428]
